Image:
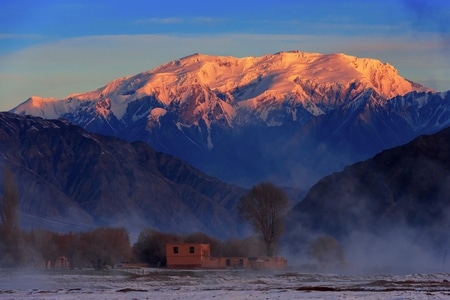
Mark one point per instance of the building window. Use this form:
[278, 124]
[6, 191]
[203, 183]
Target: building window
[228, 262]
[191, 249]
[241, 263]
[175, 250]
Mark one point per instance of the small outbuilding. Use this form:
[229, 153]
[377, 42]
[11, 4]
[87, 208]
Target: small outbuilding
[198, 256]
[187, 256]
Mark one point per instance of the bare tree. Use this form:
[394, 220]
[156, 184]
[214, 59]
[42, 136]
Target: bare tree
[72, 249]
[264, 208]
[105, 246]
[10, 204]
[44, 242]
[9, 226]
[151, 246]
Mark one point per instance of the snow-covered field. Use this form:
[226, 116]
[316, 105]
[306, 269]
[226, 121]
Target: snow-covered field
[226, 284]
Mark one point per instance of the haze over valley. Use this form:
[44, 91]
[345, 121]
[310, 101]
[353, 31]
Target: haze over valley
[301, 147]
[290, 118]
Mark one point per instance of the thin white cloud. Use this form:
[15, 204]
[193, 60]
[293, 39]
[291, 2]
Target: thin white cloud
[176, 20]
[10, 36]
[208, 20]
[172, 20]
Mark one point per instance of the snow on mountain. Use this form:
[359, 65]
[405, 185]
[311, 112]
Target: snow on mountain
[211, 110]
[249, 82]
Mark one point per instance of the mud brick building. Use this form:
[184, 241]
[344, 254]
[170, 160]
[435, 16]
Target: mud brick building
[198, 256]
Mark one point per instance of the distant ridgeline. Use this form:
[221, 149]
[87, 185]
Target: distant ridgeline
[72, 180]
[289, 118]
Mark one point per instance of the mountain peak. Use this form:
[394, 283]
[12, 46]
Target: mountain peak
[281, 76]
[225, 72]
[38, 101]
[206, 108]
[37, 106]
[210, 88]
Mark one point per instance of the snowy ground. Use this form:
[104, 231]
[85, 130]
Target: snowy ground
[227, 284]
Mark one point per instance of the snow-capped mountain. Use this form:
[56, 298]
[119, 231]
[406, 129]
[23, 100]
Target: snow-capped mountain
[289, 117]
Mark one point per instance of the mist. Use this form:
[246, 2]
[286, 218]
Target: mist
[400, 250]
[398, 237]
[372, 242]
[397, 251]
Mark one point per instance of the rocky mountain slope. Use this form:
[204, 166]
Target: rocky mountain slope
[70, 179]
[404, 187]
[289, 117]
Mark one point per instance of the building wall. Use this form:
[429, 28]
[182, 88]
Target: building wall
[187, 255]
[234, 262]
[226, 263]
[211, 263]
[60, 263]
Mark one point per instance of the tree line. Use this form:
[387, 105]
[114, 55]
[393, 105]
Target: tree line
[105, 247]
[263, 207]
[97, 248]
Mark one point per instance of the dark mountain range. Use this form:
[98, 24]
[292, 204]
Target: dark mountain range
[70, 179]
[290, 117]
[404, 187]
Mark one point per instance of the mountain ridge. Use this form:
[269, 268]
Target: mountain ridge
[403, 187]
[213, 111]
[70, 179]
[319, 69]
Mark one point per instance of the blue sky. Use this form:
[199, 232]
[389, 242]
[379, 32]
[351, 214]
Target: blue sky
[54, 48]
